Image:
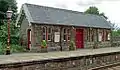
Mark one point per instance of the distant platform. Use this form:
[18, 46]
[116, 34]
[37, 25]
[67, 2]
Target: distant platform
[25, 57]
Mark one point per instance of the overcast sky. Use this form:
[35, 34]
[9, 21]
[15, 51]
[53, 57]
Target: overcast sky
[111, 8]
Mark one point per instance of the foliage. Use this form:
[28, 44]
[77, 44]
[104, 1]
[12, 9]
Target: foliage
[43, 44]
[14, 33]
[116, 33]
[17, 48]
[13, 48]
[94, 10]
[2, 48]
[72, 45]
[4, 4]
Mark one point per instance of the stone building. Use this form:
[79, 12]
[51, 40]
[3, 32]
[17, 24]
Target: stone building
[60, 26]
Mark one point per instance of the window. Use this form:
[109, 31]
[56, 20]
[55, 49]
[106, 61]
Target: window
[107, 36]
[64, 35]
[44, 30]
[92, 35]
[49, 30]
[64, 30]
[68, 35]
[44, 33]
[49, 34]
[49, 37]
[44, 37]
[100, 36]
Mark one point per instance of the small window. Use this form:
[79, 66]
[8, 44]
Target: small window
[100, 36]
[108, 36]
[68, 38]
[64, 30]
[68, 31]
[49, 30]
[49, 37]
[64, 37]
[43, 37]
[43, 29]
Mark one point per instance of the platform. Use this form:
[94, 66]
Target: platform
[25, 57]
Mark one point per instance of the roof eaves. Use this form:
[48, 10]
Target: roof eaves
[47, 23]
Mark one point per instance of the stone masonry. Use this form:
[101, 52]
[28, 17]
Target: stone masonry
[72, 63]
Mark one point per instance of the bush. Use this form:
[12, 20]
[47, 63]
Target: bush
[2, 48]
[13, 48]
[43, 44]
[17, 48]
[72, 45]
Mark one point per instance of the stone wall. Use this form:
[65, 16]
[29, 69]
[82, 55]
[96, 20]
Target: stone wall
[115, 41]
[63, 45]
[23, 31]
[72, 63]
[97, 44]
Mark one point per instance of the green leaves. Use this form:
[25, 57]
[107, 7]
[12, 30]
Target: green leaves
[14, 33]
[72, 45]
[116, 33]
[43, 44]
[94, 10]
[4, 4]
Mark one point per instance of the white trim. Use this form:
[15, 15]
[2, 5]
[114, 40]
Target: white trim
[30, 35]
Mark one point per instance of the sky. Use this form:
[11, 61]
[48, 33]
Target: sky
[111, 8]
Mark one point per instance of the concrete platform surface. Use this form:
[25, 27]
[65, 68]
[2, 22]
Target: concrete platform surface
[25, 57]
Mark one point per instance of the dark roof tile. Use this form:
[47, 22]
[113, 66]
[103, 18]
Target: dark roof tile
[42, 14]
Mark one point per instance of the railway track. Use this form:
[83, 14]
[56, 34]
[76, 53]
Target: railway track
[114, 66]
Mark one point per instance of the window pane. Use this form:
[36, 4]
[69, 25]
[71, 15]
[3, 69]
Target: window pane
[49, 30]
[64, 30]
[43, 37]
[100, 36]
[49, 37]
[108, 37]
[68, 37]
[68, 31]
[64, 37]
[43, 29]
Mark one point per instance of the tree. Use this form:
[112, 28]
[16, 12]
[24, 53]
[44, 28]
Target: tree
[94, 10]
[102, 14]
[4, 4]
[14, 33]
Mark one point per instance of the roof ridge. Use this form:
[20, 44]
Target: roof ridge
[55, 8]
[64, 16]
[62, 9]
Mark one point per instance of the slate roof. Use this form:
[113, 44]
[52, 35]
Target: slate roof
[43, 14]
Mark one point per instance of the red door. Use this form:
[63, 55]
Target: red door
[28, 38]
[79, 38]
